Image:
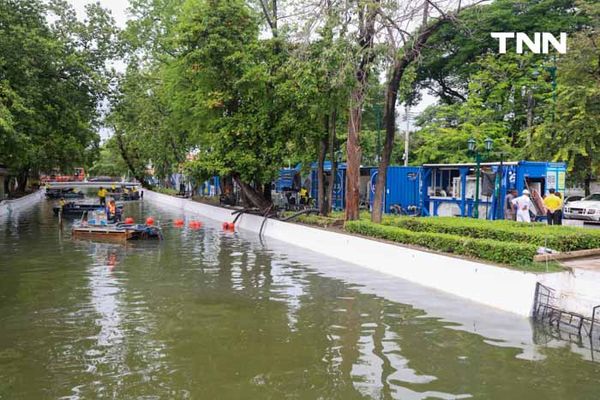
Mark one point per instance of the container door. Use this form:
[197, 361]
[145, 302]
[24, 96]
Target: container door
[339, 190]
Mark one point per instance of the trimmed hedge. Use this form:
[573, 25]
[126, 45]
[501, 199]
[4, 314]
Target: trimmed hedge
[559, 239]
[510, 253]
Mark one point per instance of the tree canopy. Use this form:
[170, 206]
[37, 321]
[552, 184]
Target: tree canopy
[242, 88]
[53, 76]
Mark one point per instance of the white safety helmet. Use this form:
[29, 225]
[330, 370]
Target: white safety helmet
[525, 191]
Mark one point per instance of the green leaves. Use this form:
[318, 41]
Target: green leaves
[52, 76]
[574, 134]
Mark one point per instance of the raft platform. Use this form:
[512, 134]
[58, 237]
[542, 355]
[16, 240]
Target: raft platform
[117, 232]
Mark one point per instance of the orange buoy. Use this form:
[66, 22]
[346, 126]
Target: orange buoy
[225, 226]
[149, 221]
[195, 224]
[129, 220]
[231, 226]
[178, 223]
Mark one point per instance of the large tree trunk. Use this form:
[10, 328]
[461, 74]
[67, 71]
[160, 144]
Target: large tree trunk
[332, 156]
[367, 13]
[587, 184]
[321, 195]
[267, 193]
[399, 67]
[254, 197]
[129, 161]
[389, 117]
[354, 154]
[22, 178]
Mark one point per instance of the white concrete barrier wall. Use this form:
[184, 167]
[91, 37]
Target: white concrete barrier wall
[502, 288]
[577, 291]
[9, 206]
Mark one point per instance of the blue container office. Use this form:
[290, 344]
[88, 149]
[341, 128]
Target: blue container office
[339, 186]
[285, 180]
[211, 187]
[402, 188]
[449, 189]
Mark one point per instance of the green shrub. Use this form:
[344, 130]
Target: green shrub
[510, 253]
[507, 231]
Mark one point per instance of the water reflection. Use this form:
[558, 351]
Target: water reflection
[213, 314]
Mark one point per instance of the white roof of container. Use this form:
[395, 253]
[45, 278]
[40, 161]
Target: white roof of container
[483, 164]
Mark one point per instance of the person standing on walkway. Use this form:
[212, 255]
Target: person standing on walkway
[523, 204]
[553, 205]
[102, 195]
[509, 208]
[559, 212]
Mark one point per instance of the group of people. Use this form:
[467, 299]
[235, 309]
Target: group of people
[520, 208]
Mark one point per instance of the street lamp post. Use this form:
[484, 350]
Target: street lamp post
[471, 145]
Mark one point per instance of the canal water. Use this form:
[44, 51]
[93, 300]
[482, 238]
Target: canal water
[208, 314]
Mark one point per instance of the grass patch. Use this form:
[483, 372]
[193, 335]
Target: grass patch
[213, 200]
[335, 219]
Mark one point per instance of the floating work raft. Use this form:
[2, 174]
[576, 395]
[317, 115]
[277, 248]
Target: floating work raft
[116, 232]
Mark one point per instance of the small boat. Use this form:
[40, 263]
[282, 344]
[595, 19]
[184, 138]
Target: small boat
[116, 232]
[64, 193]
[78, 209]
[122, 196]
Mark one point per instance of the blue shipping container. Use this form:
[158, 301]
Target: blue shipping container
[402, 187]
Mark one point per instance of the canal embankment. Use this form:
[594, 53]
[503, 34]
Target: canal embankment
[21, 204]
[502, 288]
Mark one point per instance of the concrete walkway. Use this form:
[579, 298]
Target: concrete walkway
[587, 263]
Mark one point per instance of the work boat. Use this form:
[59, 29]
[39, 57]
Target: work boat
[96, 227]
[64, 193]
[74, 209]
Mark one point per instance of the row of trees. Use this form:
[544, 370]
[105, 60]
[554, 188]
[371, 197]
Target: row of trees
[53, 76]
[250, 86]
[534, 106]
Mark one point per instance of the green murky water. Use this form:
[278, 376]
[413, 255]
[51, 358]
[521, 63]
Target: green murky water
[214, 315]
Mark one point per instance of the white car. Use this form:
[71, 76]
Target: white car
[587, 209]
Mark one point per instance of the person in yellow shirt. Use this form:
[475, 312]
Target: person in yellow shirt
[102, 195]
[303, 196]
[553, 205]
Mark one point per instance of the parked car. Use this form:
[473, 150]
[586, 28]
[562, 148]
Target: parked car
[571, 199]
[587, 209]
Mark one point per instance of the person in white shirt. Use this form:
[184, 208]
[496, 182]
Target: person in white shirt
[523, 204]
